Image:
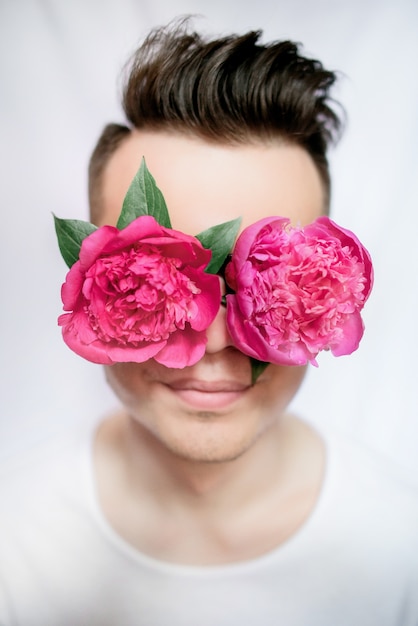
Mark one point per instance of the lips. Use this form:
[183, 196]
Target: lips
[207, 395]
[207, 386]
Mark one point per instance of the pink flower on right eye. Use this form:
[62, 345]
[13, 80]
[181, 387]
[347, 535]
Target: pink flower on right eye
[140, 293]
[297, 291]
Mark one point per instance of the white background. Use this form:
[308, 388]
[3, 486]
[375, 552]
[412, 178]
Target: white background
[60, 62]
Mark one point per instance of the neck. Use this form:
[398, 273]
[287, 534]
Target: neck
[201, 513]
[155, 468]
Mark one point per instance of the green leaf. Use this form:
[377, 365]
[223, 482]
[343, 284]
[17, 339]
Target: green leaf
[220, 239]
[70, 234]
[257, 368]
[143, 198]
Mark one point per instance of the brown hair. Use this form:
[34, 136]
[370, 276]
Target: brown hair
[231, 89]
[110, 139]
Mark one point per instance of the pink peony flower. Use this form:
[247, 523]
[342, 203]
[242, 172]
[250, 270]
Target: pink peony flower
[297, 290]
[139, 293]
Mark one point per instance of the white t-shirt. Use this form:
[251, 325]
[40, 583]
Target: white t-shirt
[353, 563]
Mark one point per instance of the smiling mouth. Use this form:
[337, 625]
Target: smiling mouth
[207, 395]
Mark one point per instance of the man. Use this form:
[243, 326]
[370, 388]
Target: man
[203, 501]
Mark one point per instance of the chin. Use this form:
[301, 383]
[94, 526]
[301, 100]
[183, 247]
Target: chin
[208, 453]
[209, 440]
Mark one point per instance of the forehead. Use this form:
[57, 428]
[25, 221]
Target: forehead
[206, 183]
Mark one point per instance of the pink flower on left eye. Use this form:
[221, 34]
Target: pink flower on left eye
[297, 291]
[140, 293]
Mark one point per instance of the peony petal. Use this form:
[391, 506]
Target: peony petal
[353, 330]
[246, 239]
[64, 319]
[78, 325]
[208, 301]
[134, 354]
[71, 289]
[147, 230]
[184, 348]
[247, 338]
[103, 353]
[325, 227]
[243, 335]
[93, 351]
[83, 339]
[93, 245]
[316, 305]
[142, 227]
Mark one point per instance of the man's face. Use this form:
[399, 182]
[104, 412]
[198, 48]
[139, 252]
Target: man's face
[210, 411]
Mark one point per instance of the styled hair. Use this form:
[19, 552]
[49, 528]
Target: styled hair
[232, 89]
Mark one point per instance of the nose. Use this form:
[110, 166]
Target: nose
[217, 334]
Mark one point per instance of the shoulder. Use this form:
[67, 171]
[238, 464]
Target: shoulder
[372, 464]
[373, 487]
[31, 474]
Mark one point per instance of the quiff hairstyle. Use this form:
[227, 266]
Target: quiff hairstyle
[231, 90]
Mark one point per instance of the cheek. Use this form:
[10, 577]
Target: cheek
[280, 383]
[128, 381]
